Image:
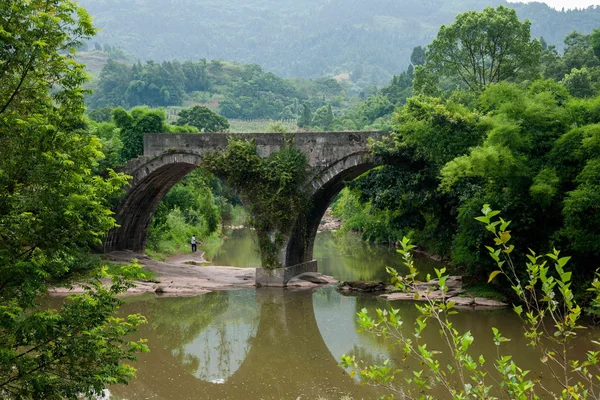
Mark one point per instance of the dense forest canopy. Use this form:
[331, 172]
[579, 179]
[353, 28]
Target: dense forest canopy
[236, 90]
[370, 40]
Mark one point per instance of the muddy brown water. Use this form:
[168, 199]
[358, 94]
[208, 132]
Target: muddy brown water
[285, 344]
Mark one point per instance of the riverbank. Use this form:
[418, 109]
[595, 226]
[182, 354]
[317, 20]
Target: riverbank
[188, 275]
[180, 275]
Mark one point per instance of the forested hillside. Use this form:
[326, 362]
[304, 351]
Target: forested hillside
[236, 90]
[370, 40]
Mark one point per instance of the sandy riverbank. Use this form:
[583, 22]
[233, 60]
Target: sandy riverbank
[187, 275]
[179, 276]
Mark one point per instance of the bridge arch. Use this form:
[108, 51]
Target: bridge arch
[333, 159]
[324, 186]
[151, 181]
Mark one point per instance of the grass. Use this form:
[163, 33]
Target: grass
[168, 248]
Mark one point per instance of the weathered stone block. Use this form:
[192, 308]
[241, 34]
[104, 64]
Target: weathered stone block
[280, 277]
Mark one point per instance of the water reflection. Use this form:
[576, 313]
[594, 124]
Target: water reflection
[285, 344]
[343, 256]
[263, 344]
[347, 257]
[239, 249]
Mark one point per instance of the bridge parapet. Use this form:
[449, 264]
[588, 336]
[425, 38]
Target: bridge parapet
[321, 148]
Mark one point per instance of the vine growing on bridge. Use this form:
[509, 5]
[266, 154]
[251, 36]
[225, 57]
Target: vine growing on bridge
[271, 189]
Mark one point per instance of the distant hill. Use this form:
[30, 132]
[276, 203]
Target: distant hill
[370, 39]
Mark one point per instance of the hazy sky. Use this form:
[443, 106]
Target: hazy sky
[558, 4]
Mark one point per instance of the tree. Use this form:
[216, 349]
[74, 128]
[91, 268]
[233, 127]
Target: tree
[482, 48]
[305, 120]
[323, 117]
[103, 114]
[418, 56]
[203, 118]
[52, 212]
[133, 126]
[579, 83]
[595, 42]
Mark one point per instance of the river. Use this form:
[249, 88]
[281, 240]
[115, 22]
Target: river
[286, 344]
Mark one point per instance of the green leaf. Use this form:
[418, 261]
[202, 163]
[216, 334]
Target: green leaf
[493, 275]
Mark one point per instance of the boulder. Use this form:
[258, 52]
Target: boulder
[483, 302]
[477, 302]
[310, 279]
[453, 283]
[313, 277]
[420, 295]
[362, 287]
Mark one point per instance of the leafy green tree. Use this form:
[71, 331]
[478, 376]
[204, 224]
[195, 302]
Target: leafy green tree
[133, 125]
[595, 42]
[323, 117]
[110, 139]
[482, 48]
[579, 52]
[203, 118]
[579, 83]
[418, 56]
[52, 212]
[305, 120]
[103, 114]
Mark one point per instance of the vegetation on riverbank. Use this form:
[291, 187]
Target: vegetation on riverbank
[551, 321]
[528, 144]
[133, 271]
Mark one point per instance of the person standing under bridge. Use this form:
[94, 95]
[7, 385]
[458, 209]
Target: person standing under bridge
[194, 244]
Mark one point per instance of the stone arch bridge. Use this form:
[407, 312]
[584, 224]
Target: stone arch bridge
[333, 157]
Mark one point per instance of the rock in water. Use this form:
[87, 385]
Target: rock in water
[313, 277]
[310, 279]
[362, 287]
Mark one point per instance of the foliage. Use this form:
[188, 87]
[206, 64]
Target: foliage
[132, 126]
[479, 49]
[277, 127]
[526, 165]
[237, 91]
[375, 225]
[195, 206]
[323, 118]
[549, 314]
[53, 210]
[579, 83]
[306, 117]
[132, 271]
[271, 189]
[203, 119]
[261, 125]
[111, 145]
[427, 135]
[378, 106]
[75, 351]
[521, 145]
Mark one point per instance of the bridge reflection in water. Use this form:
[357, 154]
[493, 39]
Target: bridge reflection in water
[263, 344]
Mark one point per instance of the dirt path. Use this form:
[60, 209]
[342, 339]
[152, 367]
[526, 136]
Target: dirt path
[180, 275]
